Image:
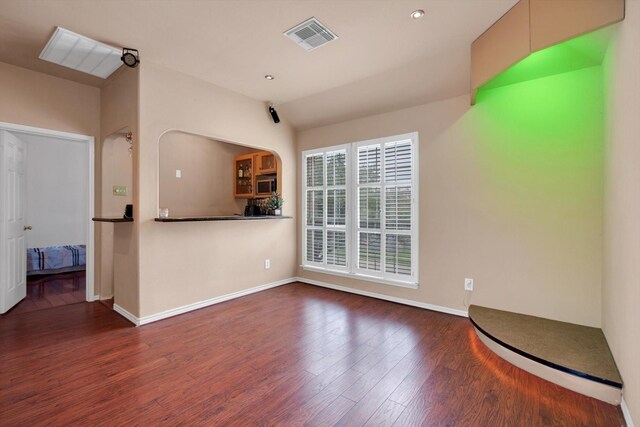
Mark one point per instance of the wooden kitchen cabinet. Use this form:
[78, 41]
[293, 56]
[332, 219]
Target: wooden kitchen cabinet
[251, 168]
[243, 176]
[265, 163]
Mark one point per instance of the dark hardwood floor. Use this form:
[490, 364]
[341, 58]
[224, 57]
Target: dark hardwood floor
[51, 290]
[293, 355]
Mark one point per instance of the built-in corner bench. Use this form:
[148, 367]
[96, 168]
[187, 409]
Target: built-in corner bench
[572, 356]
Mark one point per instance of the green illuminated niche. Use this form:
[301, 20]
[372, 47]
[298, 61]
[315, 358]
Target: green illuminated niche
[551, 111]
[574, 54]
[539, 130]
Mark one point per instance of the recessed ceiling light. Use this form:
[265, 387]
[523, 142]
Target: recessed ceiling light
[269, 77]
[417, 14]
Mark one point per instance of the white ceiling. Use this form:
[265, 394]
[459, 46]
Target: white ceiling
[382, 60]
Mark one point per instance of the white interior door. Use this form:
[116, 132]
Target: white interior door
[13, 262]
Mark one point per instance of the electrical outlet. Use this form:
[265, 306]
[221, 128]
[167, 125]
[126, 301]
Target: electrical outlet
[120, 190]
[468, 284]
[267, 264]
[178, 173]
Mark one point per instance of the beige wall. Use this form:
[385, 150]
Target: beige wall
[36, 99]
[206, 185]
[518, 212]
[184, 263]
[119, 243]
[117, 169]
[621, 289]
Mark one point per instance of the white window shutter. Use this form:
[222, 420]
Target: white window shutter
[361, 209]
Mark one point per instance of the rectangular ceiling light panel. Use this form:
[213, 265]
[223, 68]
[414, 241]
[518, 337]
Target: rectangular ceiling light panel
[81, 53]
[310, 34]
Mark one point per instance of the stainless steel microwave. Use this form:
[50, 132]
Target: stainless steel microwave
[265, 185]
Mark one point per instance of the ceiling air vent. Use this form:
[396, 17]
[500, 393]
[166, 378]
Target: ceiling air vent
[81, 53]
[310, 34]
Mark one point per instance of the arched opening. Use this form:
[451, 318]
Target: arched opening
[200, 176]
[117, 173]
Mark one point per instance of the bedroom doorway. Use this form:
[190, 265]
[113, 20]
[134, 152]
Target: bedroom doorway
[47, 192]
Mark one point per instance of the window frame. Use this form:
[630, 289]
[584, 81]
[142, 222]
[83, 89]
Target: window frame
[352, 224]
[325, 227]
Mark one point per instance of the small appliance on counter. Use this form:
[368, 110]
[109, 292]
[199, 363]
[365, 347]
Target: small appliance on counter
[128, 212]
[252, 209]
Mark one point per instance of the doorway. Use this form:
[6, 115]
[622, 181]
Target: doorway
[47, 192]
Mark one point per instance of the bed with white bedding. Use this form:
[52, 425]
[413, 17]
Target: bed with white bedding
[56, 259]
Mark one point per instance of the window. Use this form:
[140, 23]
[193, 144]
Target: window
[326, 232]
[361, 210]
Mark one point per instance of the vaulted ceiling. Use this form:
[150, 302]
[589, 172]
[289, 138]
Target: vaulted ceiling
[382, 60]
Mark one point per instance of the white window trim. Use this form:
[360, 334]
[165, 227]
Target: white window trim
[363, 277]
[351, 270]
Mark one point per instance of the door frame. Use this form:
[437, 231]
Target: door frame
[90, 141]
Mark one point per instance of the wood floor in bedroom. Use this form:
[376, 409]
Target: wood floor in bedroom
[51, 290]
[292, 355]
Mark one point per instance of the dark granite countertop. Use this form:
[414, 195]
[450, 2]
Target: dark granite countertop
[221, 218]
[112, 219]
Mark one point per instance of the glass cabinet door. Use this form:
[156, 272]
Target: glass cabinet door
[243, 177]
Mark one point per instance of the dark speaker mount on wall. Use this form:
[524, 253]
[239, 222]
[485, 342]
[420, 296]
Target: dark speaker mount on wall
[130, 57]
[274, 114]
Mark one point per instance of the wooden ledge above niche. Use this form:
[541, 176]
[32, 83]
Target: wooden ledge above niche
[532, 25]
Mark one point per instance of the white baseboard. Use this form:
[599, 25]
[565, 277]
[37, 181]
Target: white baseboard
[139, 321]
[432, 307]
[201, 304]
[124, 313]
[626, 413]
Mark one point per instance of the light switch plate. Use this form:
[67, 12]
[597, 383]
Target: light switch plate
[120, 190]
[468, 284]
[178, 173]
